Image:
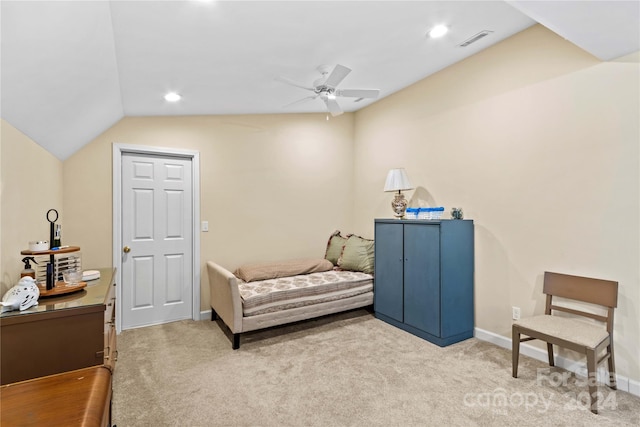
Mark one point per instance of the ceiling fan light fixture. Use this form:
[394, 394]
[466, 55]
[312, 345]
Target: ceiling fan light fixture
[438, 31]
[172, 97]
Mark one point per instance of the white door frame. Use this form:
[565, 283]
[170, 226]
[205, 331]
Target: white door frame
[118, 151]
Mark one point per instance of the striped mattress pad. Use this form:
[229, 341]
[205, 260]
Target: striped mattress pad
[268, 296]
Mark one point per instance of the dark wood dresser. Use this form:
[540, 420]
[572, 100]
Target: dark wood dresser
[57, 359]
[61, 333]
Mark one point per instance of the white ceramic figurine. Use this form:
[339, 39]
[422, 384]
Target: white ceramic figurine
[22, 296]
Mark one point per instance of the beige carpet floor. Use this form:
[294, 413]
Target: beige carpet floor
[348, 369]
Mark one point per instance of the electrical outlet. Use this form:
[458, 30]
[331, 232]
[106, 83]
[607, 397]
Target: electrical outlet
[515, 313]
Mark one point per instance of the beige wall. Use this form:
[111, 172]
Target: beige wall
[272, 186]
[30, 185]
[538, 142]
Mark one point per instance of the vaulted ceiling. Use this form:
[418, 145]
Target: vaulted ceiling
[71, 69]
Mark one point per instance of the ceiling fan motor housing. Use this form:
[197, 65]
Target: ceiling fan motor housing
[325, 90]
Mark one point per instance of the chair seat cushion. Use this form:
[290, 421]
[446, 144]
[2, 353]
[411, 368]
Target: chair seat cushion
[573, 330]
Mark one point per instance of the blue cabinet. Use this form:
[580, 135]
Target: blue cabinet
[424, 277]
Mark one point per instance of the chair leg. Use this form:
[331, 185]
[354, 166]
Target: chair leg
[592, 379]
[550, 354]
[612, 368]
[515, 350]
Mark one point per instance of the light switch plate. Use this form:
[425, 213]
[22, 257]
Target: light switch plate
[205, 226]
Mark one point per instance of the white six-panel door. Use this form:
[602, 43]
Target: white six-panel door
[157, 233]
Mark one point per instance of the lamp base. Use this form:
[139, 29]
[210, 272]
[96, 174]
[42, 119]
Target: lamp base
[399, 205]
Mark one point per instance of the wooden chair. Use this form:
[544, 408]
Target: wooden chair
[588, 338]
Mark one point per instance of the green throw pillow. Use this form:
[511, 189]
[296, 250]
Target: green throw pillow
[334, 247]
[357, 255]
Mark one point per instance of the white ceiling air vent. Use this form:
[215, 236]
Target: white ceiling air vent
[475, 38]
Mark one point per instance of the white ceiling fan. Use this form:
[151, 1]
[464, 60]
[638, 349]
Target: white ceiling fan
[325, 88]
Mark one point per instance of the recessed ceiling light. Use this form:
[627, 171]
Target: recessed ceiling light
[172, 97]
[438, 31]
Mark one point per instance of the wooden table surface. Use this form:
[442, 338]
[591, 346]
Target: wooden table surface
[75, 398]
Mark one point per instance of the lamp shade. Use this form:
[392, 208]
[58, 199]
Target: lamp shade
[397, 180]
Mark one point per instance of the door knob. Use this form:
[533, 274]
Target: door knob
[126, 249]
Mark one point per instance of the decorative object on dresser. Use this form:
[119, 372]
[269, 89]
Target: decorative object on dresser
[424, 213]
[21, 296]
[397, 180]
[424, 277]
[51, 267]
[58, 262]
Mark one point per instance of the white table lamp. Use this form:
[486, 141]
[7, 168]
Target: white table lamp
[397, 180]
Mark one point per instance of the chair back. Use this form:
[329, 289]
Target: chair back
[584, 289]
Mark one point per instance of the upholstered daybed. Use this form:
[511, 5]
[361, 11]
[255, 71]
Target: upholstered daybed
[262, 295]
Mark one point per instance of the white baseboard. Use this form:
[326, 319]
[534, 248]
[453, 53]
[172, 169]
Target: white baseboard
[578, 368]
[634, 387]
[205, 315]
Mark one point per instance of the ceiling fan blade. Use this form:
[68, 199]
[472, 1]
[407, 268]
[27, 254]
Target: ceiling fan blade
[332, 106]
[358, 93]
[337, 75]
[288, 81]
[300, 101]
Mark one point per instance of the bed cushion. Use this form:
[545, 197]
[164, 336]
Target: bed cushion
[334, 247]
[274, 270]
[268, 296]
[357, 255]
